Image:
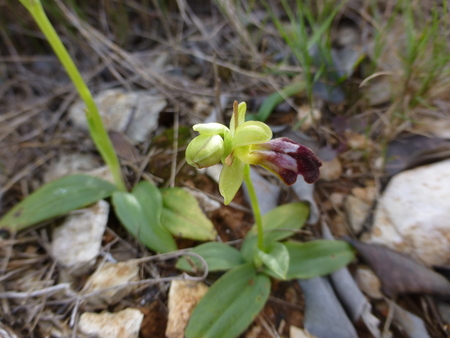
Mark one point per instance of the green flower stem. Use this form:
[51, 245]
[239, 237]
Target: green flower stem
[255, 206]
[96, 127]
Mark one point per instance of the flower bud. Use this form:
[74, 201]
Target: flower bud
[205, 151]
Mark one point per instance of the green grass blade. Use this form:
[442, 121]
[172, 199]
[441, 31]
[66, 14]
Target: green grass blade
[96, 128]
[56, 199]
[275, 99]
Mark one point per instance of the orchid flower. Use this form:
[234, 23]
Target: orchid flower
[249, 143]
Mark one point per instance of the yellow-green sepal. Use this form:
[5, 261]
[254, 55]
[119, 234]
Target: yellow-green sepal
[251, 132]
[230, 180]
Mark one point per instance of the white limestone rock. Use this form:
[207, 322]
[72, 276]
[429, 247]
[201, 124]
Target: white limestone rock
[183, 297]
[109, 278]
[6, 331]
[123, 324]
[87, 164]
[356, 211]
[134, 113]
[206, 203]
[308, 117]
[439, 127]
[69, 165]
[413, 214]
[77, 242]
[369, 283]
[295, 332]
[331, 170]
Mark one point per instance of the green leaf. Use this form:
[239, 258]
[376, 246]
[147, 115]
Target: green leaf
[219, 257]
[182, 215]
[140, 212]
[276, 260]
[317, 258]
[278, 223]
[230, 305]
[56, 199]
[275, 99]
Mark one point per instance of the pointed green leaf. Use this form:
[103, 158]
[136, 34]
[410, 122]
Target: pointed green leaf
[218, 256]
[279, 223]
[183, 217]
[56, 199]
[140, 213]
[317, 258]
[230, 305]
[276, 260]
[251, 132]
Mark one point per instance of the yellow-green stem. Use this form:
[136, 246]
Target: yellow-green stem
[255, 206]
[96, 128]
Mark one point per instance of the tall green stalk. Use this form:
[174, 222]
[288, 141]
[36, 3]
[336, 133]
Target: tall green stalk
[255, 206]
[95, 124]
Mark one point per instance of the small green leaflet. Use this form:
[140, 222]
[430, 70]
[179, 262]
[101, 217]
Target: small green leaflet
[276, 260]
[182, 215]
[279, 223]
[218, 256]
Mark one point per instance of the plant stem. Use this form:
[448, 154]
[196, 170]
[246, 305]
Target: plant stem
[255, 206]
[96, 128]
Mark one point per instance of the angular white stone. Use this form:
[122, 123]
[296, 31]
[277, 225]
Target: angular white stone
[69, 165]
[111, 275]
[308, 117]
[6, 331]
[206, 203]
[145, 117]
[356, 211]
[213, 172]
[330, 170]
[369, 283]
[77, 242]
[183, 297]
[134, 113]
[295, 332]
[78, 164]
[439, 127]
[413, 215]
[123, 324]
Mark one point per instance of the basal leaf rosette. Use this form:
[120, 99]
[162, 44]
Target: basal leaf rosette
[248, 143]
